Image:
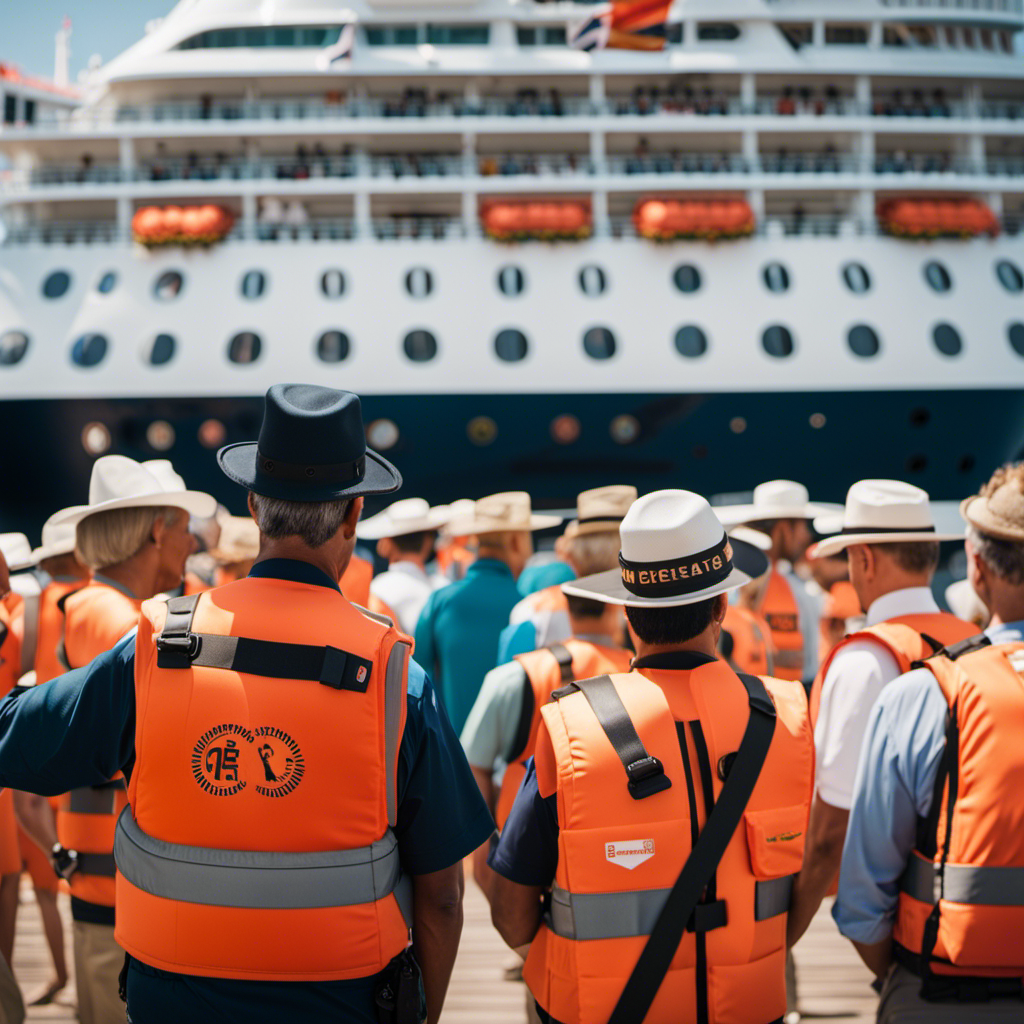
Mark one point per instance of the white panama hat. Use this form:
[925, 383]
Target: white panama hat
[17, 551]
[409, 515]
[776, 499]
[601, 510]
[674, 552]
[879, 512]
[120, 482]
[509, 511]
[58, 539]
[458, 514]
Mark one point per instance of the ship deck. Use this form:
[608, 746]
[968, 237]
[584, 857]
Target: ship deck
[834, 985]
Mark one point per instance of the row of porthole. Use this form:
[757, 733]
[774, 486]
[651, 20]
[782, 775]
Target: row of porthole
[510, 345]
[593, 281]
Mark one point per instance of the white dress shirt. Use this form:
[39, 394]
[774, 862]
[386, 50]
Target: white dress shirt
[404, 588]
[852, 685]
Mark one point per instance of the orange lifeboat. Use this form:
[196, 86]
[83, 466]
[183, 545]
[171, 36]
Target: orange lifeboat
[176, 225]
[549, 221]
[937, 218]
[665, 220]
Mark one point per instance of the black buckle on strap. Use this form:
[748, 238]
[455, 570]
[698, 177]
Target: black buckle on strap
[706, 917]
[177, 651]
[646, 777]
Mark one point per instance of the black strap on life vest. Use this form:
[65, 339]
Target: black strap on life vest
[645, 775]
[700, 866]
[178, 647]
[564, 659]
[529, 703]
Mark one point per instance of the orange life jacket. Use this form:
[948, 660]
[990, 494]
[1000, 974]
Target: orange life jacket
[258, 760]
[782, 613]
[550, 599]
[961, 904]
[750, 641]
[547, 670]
[51, 628]
[618, 857]
[356, 579]
[379, 607]
[10, 644]
[96, 616]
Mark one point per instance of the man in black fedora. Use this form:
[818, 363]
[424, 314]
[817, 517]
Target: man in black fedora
[298, 802]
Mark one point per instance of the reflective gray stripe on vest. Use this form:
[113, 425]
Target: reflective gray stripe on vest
[394, 680]
[245, 878]
[95, 799]
[621, 915]
[989, 887]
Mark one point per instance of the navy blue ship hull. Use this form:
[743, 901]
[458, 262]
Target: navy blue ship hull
[945, 441]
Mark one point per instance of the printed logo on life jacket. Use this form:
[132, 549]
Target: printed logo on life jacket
[216, 759]
[229, 757]
[783, 837]
[782, 622]
[629, 854]
[283, 764]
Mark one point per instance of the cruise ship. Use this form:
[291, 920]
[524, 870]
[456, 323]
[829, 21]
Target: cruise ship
[783, 240]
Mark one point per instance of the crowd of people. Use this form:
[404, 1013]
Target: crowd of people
[257, 750]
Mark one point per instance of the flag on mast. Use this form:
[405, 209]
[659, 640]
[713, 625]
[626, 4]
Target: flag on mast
[622, 25]
[339, 51]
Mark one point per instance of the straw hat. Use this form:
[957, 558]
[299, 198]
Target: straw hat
[674, 552]
[17, 551]
[57, 539]
[999, 510]
[879, 512]
[458, 514]
[409, 515]
[239, 540]
[601, 510]
[509, 511]
[776, 499]
[120, 482]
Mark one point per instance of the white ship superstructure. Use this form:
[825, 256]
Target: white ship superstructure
[356, 147]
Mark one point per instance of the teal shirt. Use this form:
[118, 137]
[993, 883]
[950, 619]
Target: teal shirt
[540, 577]
[457, 635]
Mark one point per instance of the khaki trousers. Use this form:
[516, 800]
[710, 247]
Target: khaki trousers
[12, 1006]
[901, 1003]
[98, 962]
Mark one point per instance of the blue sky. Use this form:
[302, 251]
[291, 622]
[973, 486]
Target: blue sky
[105, 27]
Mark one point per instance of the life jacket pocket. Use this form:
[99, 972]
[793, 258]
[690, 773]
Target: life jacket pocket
[775, 838]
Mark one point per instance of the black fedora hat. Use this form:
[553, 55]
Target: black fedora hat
[312, 447]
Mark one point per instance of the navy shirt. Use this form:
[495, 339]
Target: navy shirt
[79, 730]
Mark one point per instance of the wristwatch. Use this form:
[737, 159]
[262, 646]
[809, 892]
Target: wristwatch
[65, 862]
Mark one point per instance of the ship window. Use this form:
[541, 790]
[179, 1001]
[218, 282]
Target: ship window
[168, 285]
[511, 281]
[686, 278]
[846, 35]
[263, 35]
[510, 345]
[244, 347]
[420, 346]
[599, 343]
[691, 342]
[107, 283]
[10, 108]
[776, 277]
[857, 278]
[162, 350]
[1010, 276]
[419, 282]
[937, 276]
[863, 341]
[333, 347]
[254, 283]
[56, 284]
[777, 341]
[13, 346]
[1016, 335]
[947, 339]
[717, 31]
[593, 280]
[550, 35]
[392, 35]
[332, 284]
[89, 350]
[459, 35]
[30, 111]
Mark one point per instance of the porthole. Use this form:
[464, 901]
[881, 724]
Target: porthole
[625, 429]
[1016, 336]
[863, 341]
[947, 339]
[332, 284]
[686, 278]
[482, 430]
[382, 434]
[511, 281]
[56, 284]
[107, 283]
[599, 343]
[593, 280]
[212, 433]
[776, 277]
[691, 342]
[162, 350]
[420, 346]
[168, 285]
[89, 350]
[777, 341]
[13, 346]
[419, 282]
[333, 347]
[937, 276]
[160, 435]
[1010, 276]
[917, 463]
[510, 345]
[565, 429]
[244, 347]
[95, 438]
[857, 278]
[254, 283]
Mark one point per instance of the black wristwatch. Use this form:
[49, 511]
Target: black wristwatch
[65, 862]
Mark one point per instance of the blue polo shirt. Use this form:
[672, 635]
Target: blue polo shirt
[457, 635]
[79, 730]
